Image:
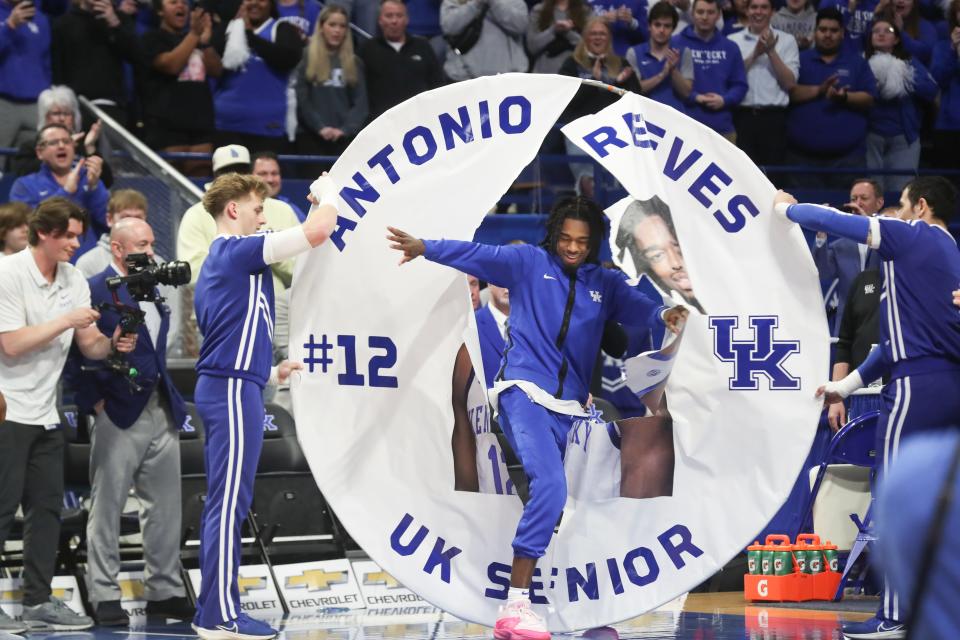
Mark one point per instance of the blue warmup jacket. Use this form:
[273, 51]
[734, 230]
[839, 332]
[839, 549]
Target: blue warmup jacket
[34, 188]
[24, 57]
[556, 318]
[491, 344]
[946, 70]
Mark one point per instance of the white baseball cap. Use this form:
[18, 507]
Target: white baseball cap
[229, 155]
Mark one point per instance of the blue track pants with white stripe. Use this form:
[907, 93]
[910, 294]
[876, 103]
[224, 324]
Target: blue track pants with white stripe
[539, 438]
[232, 414]
[913, 404]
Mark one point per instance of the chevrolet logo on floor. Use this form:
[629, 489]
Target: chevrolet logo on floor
[11, 597]
[63, 594]
[251, 584]
[131, 590]
[316, 580]
[381, 577]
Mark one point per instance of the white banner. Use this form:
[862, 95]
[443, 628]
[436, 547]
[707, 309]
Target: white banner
[373, 405]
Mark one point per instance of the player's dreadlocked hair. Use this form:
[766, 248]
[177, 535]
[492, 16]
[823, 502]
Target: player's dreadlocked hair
[575, 208]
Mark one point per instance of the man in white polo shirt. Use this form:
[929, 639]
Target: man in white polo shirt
[772, 60]
[46, 306]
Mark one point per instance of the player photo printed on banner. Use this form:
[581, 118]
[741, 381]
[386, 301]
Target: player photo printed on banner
[646, 242]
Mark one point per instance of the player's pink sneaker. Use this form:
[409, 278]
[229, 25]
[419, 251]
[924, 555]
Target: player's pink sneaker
[517, 621]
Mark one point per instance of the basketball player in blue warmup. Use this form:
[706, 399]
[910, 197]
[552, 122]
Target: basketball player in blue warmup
[234, 304]
[919, 330]
[560, 300]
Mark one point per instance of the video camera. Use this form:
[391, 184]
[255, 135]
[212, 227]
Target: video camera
[143, 276]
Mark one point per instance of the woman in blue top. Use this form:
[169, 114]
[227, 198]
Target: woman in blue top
[893, 137]
[560, 300]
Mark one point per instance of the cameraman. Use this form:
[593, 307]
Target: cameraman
[134, 443]
[46, 306]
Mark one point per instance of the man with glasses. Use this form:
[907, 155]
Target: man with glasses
[59, 175]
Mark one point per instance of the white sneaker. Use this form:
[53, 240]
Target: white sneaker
[518, 621]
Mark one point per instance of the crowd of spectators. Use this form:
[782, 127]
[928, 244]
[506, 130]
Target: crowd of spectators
[847, 83]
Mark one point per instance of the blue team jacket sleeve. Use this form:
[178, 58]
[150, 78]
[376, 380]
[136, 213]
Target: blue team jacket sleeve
[630, 306]
[897, 237]
[874, 367]
[819, 218]
[245, 252]
[492, 263]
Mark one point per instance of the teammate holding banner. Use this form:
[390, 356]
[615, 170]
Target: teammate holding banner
[234, 303]
[560, 301]
[919, 330]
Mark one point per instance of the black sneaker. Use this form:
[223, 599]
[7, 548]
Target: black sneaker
[109, 613]
[177, 608]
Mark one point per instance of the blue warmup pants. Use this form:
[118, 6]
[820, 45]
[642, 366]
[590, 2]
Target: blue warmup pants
[539, 438]
[232, 414]
[913, 404]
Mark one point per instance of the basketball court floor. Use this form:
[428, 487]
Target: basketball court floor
[699, 616]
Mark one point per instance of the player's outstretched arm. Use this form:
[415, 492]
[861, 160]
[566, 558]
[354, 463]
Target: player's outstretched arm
[411, 247]
[492, 263]
[323, 214]
[314, 231]
[819, 218]
[956, 297]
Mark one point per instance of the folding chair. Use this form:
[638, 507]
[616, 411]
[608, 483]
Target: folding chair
[854, 444]
[290, 515]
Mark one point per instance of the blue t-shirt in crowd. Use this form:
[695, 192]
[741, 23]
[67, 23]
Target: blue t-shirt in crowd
[921, 47]
[303, 15]
[649, 66]
[424, 18]
[717, 67]
[902, 116]
[625, 35]
[253, 99]
[234, 305]
[856, 25]
[822, 126]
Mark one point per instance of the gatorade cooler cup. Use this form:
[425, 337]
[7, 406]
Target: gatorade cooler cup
[830, 556]
[754, 560]
[815, 559]
[800, 553]
[812, 551]
[766, 560]
[782, 561]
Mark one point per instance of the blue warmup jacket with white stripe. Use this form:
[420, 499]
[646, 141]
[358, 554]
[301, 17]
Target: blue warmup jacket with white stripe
[234, 304]
[919, 325]
[556, 318]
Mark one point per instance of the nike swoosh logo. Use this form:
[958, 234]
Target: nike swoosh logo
[231, 628]
[546, 277]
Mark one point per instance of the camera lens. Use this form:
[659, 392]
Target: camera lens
[174, 273]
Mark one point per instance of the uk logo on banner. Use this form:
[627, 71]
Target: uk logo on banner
[762, 355]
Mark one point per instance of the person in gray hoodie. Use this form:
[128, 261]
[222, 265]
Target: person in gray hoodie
[500, 46]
